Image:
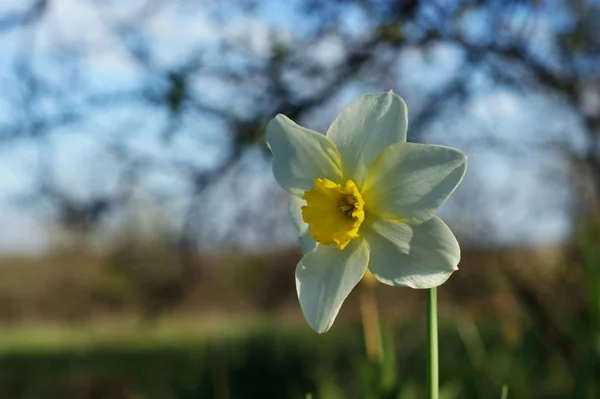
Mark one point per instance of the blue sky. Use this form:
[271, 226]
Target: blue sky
[523, 196]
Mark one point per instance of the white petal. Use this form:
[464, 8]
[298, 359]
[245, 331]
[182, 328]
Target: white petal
[409, 181]
[325, 277]
[301, 155]
[416, 256]
[294, 208]
[364, 128]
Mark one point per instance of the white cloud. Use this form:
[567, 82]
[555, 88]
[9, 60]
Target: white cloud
[498, 104]
[328, 51]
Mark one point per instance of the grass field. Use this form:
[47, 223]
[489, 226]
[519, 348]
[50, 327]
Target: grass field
[76, 330]
[255, 358]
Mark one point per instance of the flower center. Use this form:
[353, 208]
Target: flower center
[333, 212]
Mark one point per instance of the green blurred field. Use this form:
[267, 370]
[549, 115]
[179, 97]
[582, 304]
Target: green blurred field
[248, 358]
[86, 326]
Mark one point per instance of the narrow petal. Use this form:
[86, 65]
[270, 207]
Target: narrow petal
[301, 155]
[364, 128]
[409, 181]
[416, 256]
[325, 277]
[307, 243]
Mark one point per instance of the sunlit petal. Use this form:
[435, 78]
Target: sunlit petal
[295, 210]
[364, 128]
[409, 181]
[325, 277]
[301, 155]
[416, 256]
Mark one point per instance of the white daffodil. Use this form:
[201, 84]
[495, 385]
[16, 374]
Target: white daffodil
[361, 196]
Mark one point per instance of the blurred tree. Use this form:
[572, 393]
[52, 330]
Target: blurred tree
[184, 89]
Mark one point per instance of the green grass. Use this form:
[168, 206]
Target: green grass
[255, 358]
[178, 358]
[123, 332]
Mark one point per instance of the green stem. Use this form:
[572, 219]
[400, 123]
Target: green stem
[504, 392]
[432, 338]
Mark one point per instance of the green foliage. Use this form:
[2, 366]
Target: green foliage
[277, 363]
[590, 254]
[588, 333]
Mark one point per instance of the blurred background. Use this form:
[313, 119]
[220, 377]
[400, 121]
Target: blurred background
[145, 250]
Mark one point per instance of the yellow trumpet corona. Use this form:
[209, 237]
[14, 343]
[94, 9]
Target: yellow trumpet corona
[333, 212]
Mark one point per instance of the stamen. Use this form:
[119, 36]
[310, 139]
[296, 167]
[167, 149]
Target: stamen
[347, 205]
[334, 212]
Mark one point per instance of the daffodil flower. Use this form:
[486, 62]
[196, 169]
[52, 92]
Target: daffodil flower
[362, 197]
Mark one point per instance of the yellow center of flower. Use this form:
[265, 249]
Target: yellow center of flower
[333, 212]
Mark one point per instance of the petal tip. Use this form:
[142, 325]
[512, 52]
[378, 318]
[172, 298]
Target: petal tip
[281, 116]
[322, 330]
[316, 326]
